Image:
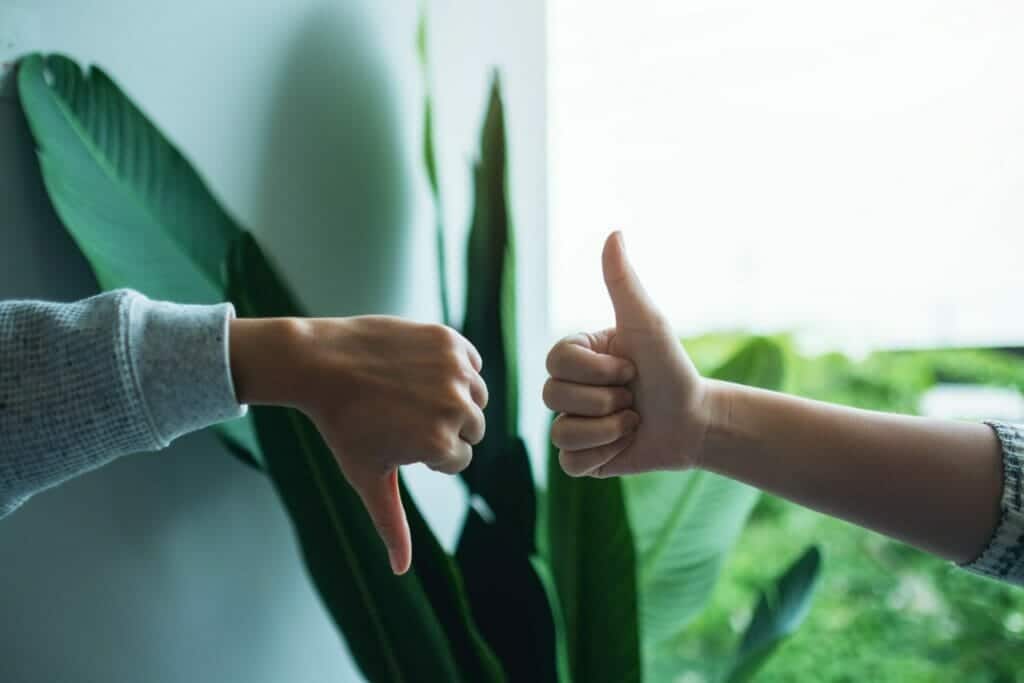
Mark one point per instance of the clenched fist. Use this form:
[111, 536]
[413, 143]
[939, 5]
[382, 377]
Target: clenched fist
[383, 392]
[629, 398]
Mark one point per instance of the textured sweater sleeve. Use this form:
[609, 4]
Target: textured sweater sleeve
[83, 383]
[1003, 557]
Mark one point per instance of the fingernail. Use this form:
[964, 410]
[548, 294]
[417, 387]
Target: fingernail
[632, 421]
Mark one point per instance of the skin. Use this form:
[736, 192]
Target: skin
[383, 392]
[630, 400]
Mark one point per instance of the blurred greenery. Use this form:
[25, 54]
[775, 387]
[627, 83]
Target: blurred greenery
[884, 611]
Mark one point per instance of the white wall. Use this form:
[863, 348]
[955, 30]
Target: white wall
[304, 116]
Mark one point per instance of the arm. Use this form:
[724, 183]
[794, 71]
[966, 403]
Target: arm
[83, 383]
[934, 484]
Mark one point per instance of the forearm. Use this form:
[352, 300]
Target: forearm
[83, 383]
[932, 483]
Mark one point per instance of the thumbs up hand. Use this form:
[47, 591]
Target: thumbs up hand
[629, 398]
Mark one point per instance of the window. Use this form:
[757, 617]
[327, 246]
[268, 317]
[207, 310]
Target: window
[853, 172]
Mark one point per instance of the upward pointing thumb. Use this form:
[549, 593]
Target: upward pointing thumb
[633, 308]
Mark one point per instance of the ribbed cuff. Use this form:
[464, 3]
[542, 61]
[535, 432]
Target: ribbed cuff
[181, 366]
[1003, 557]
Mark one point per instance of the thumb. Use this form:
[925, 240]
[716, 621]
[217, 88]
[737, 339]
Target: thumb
[633, 307]
[384, 503]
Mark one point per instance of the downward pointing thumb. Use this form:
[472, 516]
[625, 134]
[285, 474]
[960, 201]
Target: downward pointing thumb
[633, 308]
[383, 501]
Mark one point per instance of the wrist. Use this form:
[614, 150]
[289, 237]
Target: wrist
[265, 356]
[715, 419]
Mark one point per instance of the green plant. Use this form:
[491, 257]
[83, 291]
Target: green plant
[121, 190]
[923, 620]
[523, 597]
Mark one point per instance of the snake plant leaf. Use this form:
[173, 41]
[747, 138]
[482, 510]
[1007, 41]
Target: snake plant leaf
[443, 583]
[500, 473]
[592, 554]
[139, 212]
[430, 163]
[684, 524]
[510, 601]
[779, 613]
[542, 567]
[410, 628]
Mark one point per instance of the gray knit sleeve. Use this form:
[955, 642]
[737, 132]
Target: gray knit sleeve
[83, 383]
[1003, 557]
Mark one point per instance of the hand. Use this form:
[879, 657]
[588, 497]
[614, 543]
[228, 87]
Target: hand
[383, 392]
[630, 399]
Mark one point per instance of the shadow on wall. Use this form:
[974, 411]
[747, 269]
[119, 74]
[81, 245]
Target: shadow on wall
[335, 205]
[38, 259]
[143, 557]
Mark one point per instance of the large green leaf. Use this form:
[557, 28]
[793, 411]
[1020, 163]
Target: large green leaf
[141, 215]
[592, 554]
[490, 324]
[444, 586]
[509, 600]
[128, 197]
[387, 620]
[685, 523]
[411, 628]
[542, 568]
[779, 612]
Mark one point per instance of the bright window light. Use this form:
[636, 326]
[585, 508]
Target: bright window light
[853, 172]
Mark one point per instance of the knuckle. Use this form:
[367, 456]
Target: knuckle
[463, 371]
[439, 443]
[443, 336]
[452, 393]
[478, 434]
[462, 463]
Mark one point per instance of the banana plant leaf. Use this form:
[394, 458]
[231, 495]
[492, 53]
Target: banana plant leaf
[497, 549]
[685, 523]
[144, 219]
[779, 612]
[141, 215]
[409, 628]
[594, 569]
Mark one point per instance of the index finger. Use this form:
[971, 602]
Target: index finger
[570, 361]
